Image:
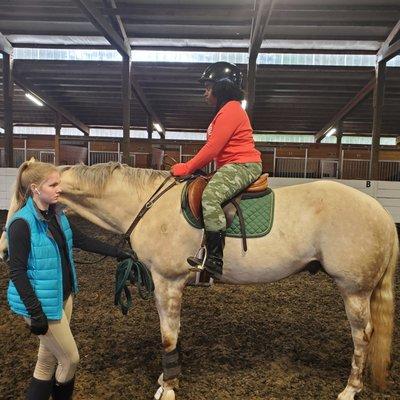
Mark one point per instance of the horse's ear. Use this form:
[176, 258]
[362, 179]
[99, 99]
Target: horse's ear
[32, 159]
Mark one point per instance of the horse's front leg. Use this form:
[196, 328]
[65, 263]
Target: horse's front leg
[168, 294]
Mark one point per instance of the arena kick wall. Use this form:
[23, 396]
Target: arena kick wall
[387, 193]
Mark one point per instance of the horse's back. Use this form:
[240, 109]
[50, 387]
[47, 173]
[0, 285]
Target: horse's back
[332, 196]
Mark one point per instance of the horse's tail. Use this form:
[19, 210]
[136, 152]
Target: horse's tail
[382, 313]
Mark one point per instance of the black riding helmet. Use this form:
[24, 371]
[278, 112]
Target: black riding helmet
[222, 70]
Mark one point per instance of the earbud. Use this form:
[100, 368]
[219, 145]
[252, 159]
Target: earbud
[37, 191]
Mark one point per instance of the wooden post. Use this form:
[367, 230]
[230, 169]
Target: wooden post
[57, 139]
[379, 95]
[149, 127]
[126, 107]
[88, 153]
[8, 95]
[339, 148]
[251, 86]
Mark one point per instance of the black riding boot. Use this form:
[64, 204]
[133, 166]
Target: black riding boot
[215, 242]
[39, 390]
[63, 391]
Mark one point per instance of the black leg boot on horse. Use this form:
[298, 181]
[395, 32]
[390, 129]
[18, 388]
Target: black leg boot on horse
[63, 391]
[215, 242]
[39, 390]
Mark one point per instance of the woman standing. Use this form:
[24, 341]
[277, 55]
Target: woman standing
[230, 142]
[43, 277]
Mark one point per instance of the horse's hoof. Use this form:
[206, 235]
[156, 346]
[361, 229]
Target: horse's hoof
[164, 394]
[348, 393]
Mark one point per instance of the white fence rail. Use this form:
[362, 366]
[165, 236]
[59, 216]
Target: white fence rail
[387, 193]
[284, 167]
[315, 168]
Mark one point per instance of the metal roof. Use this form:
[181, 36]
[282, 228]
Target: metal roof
[307, 24]
[287, 97]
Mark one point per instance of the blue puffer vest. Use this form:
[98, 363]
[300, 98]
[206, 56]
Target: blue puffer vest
[44, 263]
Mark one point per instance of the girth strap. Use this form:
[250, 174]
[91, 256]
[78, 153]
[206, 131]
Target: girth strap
[241, 223]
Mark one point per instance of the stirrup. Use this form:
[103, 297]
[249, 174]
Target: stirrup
[200, 255]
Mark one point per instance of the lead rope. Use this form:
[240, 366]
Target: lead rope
[134, 271]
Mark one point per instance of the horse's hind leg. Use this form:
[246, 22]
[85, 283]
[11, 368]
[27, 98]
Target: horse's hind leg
[359, 315]
[168, 294]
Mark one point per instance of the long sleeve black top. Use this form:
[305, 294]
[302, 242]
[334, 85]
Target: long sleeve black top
[19, 249]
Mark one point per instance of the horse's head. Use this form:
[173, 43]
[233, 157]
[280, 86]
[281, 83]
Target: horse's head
[3, 247]
[12, 209]
[3, 238]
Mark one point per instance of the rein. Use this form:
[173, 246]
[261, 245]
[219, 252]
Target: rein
[154, 197]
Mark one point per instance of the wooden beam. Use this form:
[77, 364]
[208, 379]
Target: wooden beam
[390, 52]
[8, 94]
[28, 87]
[98, 20]
[57, 137]
[115, 19]
[379, 95]
[387, 49]
[5, 45]
[342, 114]
[260, 22]
[126, 108]
[393, 33]
[263, 9]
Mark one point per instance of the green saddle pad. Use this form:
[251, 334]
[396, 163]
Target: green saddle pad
[258, 214]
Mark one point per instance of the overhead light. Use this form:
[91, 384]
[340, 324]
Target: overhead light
[244, 104]
[331, 132]
[34, 99]
[158, 127]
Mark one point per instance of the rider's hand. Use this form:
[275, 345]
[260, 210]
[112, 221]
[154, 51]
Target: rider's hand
[180, 169]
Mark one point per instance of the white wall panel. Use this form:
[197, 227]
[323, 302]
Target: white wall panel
[387, 193]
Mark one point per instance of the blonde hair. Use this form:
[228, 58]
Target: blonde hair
[30, 172]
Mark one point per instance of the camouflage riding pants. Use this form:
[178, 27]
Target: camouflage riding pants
[227, 182]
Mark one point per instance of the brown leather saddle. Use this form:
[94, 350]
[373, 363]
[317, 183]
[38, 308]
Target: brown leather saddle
[231, 208]
[197, 186]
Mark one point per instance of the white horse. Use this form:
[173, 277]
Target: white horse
[349, 233]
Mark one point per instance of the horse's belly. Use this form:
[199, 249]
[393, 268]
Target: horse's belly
[262, 262]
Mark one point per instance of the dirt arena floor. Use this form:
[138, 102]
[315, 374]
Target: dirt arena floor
[287, 340]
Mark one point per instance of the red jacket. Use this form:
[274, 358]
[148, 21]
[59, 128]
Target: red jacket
[229, 139]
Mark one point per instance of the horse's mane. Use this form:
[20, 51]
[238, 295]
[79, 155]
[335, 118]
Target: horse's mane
[96, 177]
